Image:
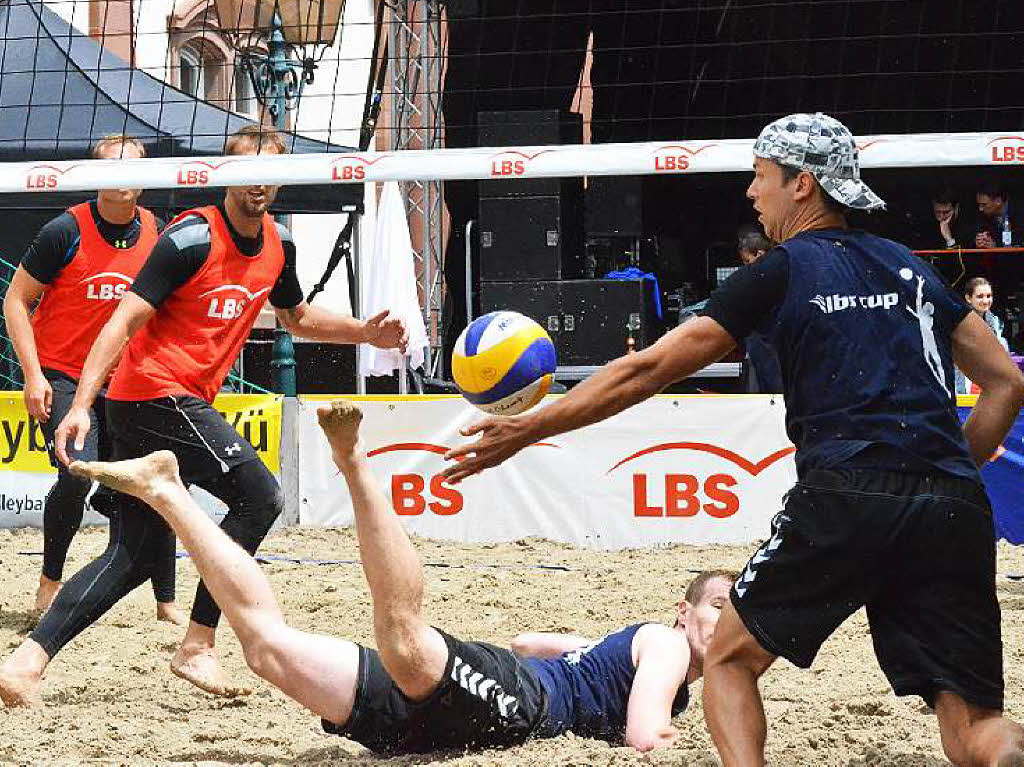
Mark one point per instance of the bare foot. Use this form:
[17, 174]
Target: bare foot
[19, 690]
[340, 421]
[202, 669]
[142, 477]
[170, 613]
[45, 595]
[21, 675]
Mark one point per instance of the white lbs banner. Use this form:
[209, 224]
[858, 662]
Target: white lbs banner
[675, 469]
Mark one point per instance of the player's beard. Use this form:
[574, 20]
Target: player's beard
[255, 205]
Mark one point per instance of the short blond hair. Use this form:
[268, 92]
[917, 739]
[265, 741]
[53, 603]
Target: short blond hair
[117, 139]
[699, 585]
[262, 137]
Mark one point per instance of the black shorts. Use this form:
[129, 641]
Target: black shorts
[203, 442]
[97, 446]
[488, 698]
[918, 551]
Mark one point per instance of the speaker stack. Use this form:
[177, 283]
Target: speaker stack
[530, 228]
[532, 244]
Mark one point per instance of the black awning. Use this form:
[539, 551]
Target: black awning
[61, 90]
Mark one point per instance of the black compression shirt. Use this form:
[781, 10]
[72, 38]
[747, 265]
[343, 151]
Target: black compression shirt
[57, 242]
[170, 266]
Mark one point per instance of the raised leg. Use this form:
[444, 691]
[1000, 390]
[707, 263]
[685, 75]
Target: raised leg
[414, 654]
[317, 671]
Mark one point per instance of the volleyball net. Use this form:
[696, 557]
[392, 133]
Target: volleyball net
[490, 163]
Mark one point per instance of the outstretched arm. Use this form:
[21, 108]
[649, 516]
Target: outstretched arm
[542, 644]
[317, 324]
[662, 660]
[620, 384]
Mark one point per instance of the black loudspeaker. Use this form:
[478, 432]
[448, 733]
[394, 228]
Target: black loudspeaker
[590, 321]
[526, 128]
[613, 206]
[529, 238]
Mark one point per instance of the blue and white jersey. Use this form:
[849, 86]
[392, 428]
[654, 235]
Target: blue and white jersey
[588, 689]
[863, 332]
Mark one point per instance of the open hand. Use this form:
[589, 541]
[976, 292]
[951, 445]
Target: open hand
[386, 332]
[500, 438]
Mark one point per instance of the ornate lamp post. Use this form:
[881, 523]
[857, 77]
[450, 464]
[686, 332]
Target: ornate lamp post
[296, 33]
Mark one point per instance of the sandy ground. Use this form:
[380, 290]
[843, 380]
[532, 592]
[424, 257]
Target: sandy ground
[110, 698]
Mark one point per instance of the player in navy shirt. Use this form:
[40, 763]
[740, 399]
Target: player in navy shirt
[424, 689]
[888, 512]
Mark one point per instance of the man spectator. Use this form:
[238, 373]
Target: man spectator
[751, 243]
[950, 229]
[765, 373]
[1001, 225]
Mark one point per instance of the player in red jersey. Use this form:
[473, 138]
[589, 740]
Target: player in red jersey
[77, 269]
[184, 321]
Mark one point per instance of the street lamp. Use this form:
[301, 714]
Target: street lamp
[297, 33]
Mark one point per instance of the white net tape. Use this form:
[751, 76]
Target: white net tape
[731, 155]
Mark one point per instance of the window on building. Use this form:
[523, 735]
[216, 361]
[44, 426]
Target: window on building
[245, 97]
[191, 75]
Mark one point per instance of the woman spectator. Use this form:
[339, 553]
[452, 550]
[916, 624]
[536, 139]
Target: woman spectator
[978, 293]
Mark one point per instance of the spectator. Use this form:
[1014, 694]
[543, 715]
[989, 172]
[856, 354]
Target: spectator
[764, 371]
[1001, 225]
[951, 230]
[978, 293]
[751, 243]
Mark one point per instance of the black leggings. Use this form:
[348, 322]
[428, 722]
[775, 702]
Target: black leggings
[65, 503]
[140, 540]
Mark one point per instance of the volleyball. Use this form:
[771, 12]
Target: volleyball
[503, 363]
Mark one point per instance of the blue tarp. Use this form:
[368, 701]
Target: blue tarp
[1004, 480]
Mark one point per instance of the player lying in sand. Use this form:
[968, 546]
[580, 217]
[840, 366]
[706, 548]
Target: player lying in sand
[424, 689]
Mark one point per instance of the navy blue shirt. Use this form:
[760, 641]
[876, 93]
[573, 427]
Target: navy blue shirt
[588, 689]
[863, 332]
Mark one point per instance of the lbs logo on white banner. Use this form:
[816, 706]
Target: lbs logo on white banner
[713, 471]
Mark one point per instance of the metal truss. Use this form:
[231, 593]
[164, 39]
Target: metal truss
[415, 53]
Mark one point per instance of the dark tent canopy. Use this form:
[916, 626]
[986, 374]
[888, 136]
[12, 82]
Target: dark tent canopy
[61, 90]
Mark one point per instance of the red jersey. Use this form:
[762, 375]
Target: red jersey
[78, 303]
[189, 345]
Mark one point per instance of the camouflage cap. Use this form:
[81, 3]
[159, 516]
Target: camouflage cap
[824, 147]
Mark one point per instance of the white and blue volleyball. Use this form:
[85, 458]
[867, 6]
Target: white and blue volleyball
[503, 363]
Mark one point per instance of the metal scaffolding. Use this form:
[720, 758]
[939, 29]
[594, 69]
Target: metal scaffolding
[416, 61]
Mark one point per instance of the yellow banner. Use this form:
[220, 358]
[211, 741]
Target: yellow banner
[22, 445]
[256, 417]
